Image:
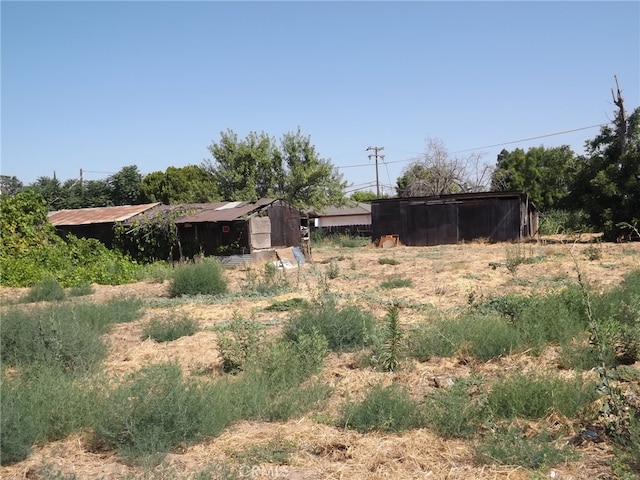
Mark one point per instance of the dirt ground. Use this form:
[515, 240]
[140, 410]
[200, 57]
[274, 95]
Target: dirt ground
[443, 278]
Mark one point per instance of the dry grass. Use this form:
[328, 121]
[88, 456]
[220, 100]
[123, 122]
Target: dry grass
[444, 278]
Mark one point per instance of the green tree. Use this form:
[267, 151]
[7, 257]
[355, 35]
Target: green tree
[545, 174]
[257, 167]
[608, 182]
[51, 191]
[364, 196]
[10, 185]
[190, 184]
[244, 170]
[124, 186]
[308, 180]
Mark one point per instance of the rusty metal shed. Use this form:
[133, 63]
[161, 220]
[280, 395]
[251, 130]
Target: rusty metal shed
[95, 222]
[240, 228]
[446, 219]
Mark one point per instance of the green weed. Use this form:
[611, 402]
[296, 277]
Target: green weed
[536, 397]
[511, 446]
[205, 277]
[169, 329]
[345, 328]
[277, 451]
[386, 409]
[46, 290]
[396, 283]
[456, 411]
[388, 261]
[286, 305]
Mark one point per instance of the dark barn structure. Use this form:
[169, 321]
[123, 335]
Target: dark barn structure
[96, 222]
[447, 219]
[241, 228]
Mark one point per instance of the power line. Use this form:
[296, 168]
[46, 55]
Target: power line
[534, 138]
[489, 146]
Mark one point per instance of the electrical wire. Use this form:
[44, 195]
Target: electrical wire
[564, 132]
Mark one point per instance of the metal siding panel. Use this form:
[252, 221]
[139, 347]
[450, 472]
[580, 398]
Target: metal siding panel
[442, 224]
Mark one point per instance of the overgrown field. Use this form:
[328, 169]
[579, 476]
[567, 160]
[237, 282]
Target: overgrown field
[483, 361]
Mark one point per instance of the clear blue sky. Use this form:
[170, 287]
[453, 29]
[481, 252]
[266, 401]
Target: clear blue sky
[101, 85]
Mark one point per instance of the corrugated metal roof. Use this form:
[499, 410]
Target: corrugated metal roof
[350, 208]
[86, 216]
[224, 211]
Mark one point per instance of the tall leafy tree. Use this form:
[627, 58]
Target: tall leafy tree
[608, 183]
[244, 169]
[256, 167]
[124, 186]
[308, 180]
[10, 185]
[51, 190]
[190, 184]
[545, 174]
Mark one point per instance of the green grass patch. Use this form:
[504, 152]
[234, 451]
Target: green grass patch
[388, 261]
[536, 397]
[277, 451]
[385, 409]
[169, 329]
[511, 446]
[295, 303]
[202, 278]
[396, 283]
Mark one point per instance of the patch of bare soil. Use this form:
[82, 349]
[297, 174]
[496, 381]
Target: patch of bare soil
[443, 278]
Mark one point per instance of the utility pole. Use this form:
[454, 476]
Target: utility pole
[376, 155]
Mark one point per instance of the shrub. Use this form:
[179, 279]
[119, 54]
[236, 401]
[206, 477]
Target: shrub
[169, 329]
[66, 335]
[49, 335]
[205, 277]
[456, 411]
[536, 397]
[41, 404]
[480, 336]
[46, 290]
[153, 410]
[272, 282]
[239, 343]
[344, 328]
[287, 364]
[617, 313]
[333, 270]
[386, 409]
[510, 446]
[74, 262]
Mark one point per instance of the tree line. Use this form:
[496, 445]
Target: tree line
[603, 185]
